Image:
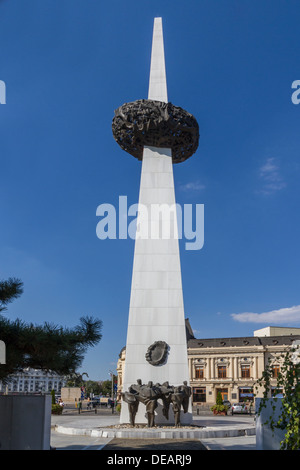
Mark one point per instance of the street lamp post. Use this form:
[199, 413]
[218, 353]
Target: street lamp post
[112, 384]
[112, 391]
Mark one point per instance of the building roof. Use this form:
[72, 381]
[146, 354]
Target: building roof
[188, 329]
[194, 343]
[277, 331]
[242, 341]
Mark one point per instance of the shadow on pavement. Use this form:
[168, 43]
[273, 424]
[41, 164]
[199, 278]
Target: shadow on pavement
[154, 444]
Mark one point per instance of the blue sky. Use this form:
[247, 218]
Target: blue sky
[67, 65]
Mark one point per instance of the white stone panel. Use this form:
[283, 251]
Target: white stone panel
[144, 336]
[156, 280]
[156, 196]
[156, 262]
[157, 180]
[157, 160]
[156, 298]
[148, 316]
[159, 247]
[157, 81]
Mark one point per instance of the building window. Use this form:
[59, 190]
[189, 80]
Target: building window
[275, 371]
[199, 372]
[276, 391]
[245, 371]
[199, 395]
[246, 394]
[221, 372]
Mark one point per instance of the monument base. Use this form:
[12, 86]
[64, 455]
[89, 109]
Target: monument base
[160, 419]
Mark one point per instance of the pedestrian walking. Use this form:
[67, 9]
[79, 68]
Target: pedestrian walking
[79, 406]
[111, 404]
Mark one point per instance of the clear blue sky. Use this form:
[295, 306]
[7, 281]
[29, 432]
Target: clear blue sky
[67, 65]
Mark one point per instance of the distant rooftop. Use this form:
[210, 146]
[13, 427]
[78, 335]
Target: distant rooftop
[268, 336]
[242, 341]
[277, 331]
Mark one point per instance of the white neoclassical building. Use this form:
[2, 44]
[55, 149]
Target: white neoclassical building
[230, 366]
[33, 381]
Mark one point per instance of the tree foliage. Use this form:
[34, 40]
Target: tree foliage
[288, 384]
[106, 386]
[53, 400]
[48, 347]
[219, 407]
[219, 400]
[92, 386]
[10, 290]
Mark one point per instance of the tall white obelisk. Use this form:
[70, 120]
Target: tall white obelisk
[156, 304]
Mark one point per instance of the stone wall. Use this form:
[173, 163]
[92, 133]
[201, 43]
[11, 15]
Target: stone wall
[70, 394]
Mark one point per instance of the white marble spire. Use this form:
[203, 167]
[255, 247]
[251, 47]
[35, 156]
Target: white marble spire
[156, 310]
[158, 82]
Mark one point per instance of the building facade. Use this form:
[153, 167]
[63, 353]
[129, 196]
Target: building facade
[33, 381]
[230, 366]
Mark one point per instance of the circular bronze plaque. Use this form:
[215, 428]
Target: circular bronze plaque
[157, 353]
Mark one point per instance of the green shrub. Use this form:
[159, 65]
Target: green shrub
[56, 409]
[118, 408]
[288, 383]
[219, 400]
[219, 407]
[53, 397]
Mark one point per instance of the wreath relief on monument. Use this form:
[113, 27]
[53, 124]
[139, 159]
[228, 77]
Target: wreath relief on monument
[157, 353]
[155, 124]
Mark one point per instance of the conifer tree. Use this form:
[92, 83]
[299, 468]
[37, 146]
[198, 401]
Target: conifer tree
[9, 290]
[48, 347]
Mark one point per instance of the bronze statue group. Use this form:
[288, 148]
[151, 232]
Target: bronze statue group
[149, 395]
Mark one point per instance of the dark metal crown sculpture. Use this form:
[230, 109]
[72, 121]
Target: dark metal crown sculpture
[155, 124]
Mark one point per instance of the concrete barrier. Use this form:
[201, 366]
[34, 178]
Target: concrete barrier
[25, 422]
[266, 438]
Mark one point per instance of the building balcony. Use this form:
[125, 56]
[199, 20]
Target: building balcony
[228, 380]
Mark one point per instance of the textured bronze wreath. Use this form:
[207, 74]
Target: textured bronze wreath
[155, 124]
[157, 353]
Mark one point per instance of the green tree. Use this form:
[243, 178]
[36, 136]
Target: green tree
[74, 379]
[288, 383]
[53, 397]
[48, 347]
[90, 386]
[105, 386]
[219, 407]
[10, 290]
[219, 400]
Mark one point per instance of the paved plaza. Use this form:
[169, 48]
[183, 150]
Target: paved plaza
[73, 431]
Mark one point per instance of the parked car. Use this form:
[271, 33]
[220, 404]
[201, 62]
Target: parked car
[95, 402]
[239, 408]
